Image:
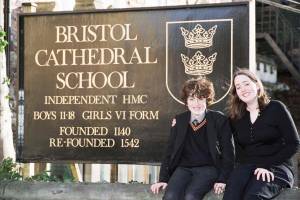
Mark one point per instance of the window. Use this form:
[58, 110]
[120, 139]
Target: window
[265, 67]
[272, 69]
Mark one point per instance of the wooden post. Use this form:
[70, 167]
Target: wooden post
[87, 172]
[28, 168]
[114, 173]
[129, 173]
[39, 167]
[146, 174]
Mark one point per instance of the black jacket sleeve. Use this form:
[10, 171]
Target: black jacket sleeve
[290, 137]
[227, 150]
[164, 174]
[238, 148]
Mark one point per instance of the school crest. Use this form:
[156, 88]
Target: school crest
[199, 48]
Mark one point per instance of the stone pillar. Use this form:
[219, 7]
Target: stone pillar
[84, 5]
[47, 5]
[29, 7]
[114, 173]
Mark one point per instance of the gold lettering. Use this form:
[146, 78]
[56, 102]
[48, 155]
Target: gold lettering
[91, 33]
[98, 80]
[87, 99]
[143, 115]
[87, 130]
[44, 115]
[90, 142]
[130, 143]
[135, 99]
[55, 142]
[92, 57]
[96, 115]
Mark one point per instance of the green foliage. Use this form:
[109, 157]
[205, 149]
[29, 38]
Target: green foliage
[6, 81]
[43, 177]
[3, 41]
[8, 170]
[8, 97]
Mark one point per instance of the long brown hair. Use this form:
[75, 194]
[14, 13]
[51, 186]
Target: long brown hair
[235, 106]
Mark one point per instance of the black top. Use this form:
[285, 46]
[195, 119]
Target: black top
[220, 144]
[196, 150]
[271, 140]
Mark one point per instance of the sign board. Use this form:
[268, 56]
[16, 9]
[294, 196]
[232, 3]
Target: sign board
[104, 85]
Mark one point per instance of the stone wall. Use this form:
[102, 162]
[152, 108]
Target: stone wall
[93, 191]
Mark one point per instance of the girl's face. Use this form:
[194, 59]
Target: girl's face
[195, 105]
[246, 89]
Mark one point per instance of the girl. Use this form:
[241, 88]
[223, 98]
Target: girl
[265, 139]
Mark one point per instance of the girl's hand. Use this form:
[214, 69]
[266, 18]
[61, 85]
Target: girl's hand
[264, 174]
[219, 188]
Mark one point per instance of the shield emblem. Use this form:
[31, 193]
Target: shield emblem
[199, 48]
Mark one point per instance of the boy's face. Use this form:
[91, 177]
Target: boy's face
[195, 105]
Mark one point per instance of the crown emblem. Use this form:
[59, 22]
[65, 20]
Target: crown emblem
[198, 37]
[198, 64]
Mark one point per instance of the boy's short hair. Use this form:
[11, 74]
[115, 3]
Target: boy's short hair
[200, 87]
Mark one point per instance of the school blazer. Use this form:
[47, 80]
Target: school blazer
[220, 144]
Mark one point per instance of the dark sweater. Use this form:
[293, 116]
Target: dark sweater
[219, 142]
[271, 140]
[196, 150]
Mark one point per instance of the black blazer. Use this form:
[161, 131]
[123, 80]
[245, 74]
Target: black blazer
[220, 144]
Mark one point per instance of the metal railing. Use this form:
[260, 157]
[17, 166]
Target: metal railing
[272, 20]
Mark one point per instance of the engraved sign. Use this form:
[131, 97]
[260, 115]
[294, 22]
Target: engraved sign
[104, 85]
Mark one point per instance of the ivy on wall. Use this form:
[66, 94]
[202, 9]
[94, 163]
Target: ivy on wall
[3, 41]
